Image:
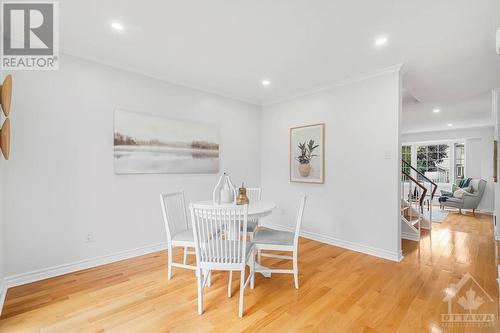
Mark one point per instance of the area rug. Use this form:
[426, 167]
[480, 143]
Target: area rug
[438, 215]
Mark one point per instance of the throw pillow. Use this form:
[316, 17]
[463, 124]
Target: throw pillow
[468, 189]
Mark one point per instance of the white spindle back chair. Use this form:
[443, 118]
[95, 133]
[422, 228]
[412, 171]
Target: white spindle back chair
[220, 234]
[254, 194]
[176, 225]
[276, 240]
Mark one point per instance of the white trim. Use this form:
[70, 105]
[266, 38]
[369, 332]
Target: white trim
[3, 293]
[155, 76]
[340, 83]
[45, 273]
[373, 251]
[410, 236]
[345, 82]
[449, 129]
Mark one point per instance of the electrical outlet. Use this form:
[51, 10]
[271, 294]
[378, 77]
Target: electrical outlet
[89, 237]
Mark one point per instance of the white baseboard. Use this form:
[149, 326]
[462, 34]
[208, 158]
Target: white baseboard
[3, 293]
[410, 236]
[45, 273]
[373, 251]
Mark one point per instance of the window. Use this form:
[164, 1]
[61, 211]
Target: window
[459, 161]
[406, 156]
[434, 162]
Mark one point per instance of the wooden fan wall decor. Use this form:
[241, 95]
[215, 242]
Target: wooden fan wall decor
[5, 138]
[6, 94]
[5, 98]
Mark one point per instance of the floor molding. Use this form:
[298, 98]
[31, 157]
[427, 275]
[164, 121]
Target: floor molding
[45, 273]
[373, 251]
[410, 236]
[3, 293]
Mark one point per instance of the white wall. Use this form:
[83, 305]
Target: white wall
[59, 183]
[358, 205]
[478, 150]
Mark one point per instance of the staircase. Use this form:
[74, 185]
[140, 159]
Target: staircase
[417, 193]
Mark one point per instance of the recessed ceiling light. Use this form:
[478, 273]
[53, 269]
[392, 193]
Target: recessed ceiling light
[266, 82]
[449, 125]
[436, 110]
[117, 26]
[381, 41]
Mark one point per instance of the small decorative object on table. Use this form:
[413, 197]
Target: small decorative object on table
[224, 192]
[242, 196]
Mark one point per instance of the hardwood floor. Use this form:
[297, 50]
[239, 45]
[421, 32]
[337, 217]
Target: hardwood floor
[340, 291]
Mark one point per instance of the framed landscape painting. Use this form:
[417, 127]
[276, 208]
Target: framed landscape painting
[152, 144]
[307, 154]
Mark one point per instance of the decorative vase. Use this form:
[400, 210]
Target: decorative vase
[304, 169]
[242, 198]
[224, 192]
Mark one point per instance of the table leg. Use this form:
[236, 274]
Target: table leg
[262, 270]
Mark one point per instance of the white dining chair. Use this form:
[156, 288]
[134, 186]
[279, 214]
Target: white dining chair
[254, 194]
[220, 243]
[177, 227]
[277, 240]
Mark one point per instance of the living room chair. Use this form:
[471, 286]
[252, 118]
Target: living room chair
[469, 200]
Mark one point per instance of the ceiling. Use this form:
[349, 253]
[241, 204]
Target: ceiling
[471, 112]
[228, 47]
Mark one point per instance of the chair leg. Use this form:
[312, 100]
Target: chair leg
[242, 292]
[230, 284]
[184, 260]
[169, 262]
[252, 270]
[259, 256]
[208, 276]
[295, 270]
[199, 280]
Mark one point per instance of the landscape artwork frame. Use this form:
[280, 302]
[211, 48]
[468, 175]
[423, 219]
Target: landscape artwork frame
[152, 144]
[300, 170]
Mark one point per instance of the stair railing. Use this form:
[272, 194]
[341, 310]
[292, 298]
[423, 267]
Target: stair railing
[432, 186]
[413, 197]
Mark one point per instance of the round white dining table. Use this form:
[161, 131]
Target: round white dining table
[256, 209]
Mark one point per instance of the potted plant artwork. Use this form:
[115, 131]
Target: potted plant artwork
[307, 154]
[305, 157]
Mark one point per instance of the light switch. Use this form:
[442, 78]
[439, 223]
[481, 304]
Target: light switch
[387, 155]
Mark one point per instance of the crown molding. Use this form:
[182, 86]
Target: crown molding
[345, 82]
[162, 78]
[449, 129]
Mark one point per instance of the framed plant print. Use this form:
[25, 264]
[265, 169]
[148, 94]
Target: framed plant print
[307, 154]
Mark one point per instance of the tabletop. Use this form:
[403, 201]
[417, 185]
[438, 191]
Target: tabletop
[259, 208]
